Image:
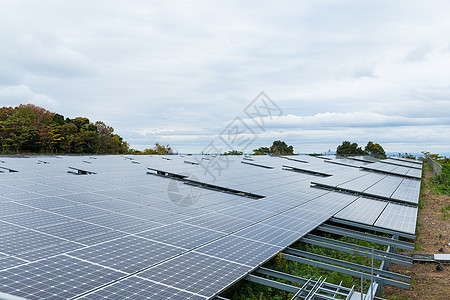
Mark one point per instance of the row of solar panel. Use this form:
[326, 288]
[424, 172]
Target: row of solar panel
[382, 214]
[395, 170]
[387, 187]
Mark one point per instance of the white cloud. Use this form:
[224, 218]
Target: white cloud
[330, 120]
[11, 95]
[181, 71]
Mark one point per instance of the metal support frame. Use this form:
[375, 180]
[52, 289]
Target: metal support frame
[9, 170]
[310, 289]
[78, 171]
[365, 236]
[257, 165]
[344, 270]
[345, 264]
[272, 283]
[327, 287]
[356, 249]
[320, 289]
[305, 171]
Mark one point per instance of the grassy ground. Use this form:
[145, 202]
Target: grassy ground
[440, 184]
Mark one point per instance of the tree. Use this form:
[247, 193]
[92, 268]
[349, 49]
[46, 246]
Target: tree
[58, 119]
[68, 132]
[281, 148]
[33, 129]
[277, 148]
[261, 151]
[233, 152]
[375, 150]
[430, 155]
[159, 150]
[80, 122]
[349, 149]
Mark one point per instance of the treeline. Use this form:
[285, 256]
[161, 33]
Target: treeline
[352, 149]
[33, 129]
[277, 148]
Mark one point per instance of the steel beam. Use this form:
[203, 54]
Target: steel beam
[346, 264]
[272, 283]
[343, 270]
[281, 275]
[361, 248]
[365, 236]
[327, 287]
[355, 250]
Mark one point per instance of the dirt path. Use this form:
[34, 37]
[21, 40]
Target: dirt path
[433, 233]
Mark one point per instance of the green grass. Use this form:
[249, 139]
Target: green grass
[446, 212]
[440, 184]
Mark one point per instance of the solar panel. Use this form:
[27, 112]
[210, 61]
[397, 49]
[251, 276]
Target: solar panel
[408, 191]
[363, 210]
[36, 219]
[102, 237]
[74, 230]
[240, 250]
[20, 196]
[384, 188]
[127, 254]
[26, 241]
[59, 277]
[269, 234]
[117, 193]
[197, 273]
[81, 212]
[6, 190]
[181, 235]
[48, 203]
[128, 226]
[219, 222]
[417, 173]
[10, 261]
[241, 212]
[294, 224]
[362, 183]
[12, 208]
[396, 168]
[85, 198]
[150, 213]
[116, 221]
[6, 228]
[48, 251]
[140, 289]
[399, 218]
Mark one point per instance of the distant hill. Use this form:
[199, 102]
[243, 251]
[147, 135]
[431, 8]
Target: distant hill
[33, 129]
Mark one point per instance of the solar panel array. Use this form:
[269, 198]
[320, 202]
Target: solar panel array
[388, 187]
[401, 170]
[118, 231]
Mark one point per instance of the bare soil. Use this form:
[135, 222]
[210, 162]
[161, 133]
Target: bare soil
[432, 234]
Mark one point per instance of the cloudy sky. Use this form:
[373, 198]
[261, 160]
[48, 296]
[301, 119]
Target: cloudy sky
[183, 72]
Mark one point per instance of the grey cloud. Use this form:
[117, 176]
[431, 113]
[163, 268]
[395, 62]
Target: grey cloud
[179, 72]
